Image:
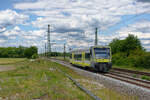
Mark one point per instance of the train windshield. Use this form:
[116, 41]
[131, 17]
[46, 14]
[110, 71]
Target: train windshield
[103, 53]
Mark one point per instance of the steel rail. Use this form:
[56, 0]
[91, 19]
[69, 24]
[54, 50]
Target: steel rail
[131, 71]
[129, 77]
[82, 88]
[125, 80]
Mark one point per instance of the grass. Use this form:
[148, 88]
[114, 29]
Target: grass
[98, 89]
[41, 79]
[145, 77]
[132, 68]
[62, 58]
[134, 75]
[10, 60]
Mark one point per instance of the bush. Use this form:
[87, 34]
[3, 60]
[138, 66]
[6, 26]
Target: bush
[130, 52]
[137, 58]
[34, 56]
[142, 61]
[120, 59]
[29, 52]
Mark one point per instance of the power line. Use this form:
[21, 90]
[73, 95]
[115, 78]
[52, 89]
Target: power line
[125, 21]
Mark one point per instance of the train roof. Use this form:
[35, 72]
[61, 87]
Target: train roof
[87, 50]
[81, 50]
[99, 46]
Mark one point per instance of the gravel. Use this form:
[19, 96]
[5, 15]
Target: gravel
[120, 86]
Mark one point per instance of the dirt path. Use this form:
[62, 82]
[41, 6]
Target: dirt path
[6, 68]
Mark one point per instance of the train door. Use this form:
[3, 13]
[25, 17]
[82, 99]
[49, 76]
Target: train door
[91, 57]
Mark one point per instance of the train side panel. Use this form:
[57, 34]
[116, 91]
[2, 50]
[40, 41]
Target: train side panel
[82, 62]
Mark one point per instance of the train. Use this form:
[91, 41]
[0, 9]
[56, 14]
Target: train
[95, 57]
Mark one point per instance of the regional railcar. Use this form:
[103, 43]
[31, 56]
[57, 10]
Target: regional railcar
[96, 57]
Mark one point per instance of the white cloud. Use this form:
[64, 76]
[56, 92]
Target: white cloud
[70, 18]
[85, 13]
[33, 5]
[15, 31]
[2, 29]
[2, 40]
[9, 17]
[140, 29]
[38, 32]
[16, 28]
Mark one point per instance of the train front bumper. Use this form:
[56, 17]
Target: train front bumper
[103, 66]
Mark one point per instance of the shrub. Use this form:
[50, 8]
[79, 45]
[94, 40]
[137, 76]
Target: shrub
[137, 58]
[145, 77]
[142, 61]
[34, 56]
[130, 52]
[120, 59]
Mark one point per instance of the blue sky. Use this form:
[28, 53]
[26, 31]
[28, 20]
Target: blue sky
[24, 22]
[6, 4]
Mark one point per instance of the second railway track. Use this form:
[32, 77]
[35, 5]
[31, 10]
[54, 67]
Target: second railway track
[131, 71]
[129, 79]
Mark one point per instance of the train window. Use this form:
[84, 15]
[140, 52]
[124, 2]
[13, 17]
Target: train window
[87, 56]
[77, 56]
[102, 52]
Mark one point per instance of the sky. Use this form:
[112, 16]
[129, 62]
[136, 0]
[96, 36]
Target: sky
[24, 22]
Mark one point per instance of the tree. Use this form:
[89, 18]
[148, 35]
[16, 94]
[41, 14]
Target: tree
[126, 45]
[14, 52]
[30, 51]
[116, 45]
[131, 43]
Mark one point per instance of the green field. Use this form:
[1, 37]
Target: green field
[41, 79]
[10, 60]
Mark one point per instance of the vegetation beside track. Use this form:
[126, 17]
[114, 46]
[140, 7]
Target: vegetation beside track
[132, 68]
[40, 79]
[129, 52]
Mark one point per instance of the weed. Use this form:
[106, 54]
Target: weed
[145, 77]
[135, 76]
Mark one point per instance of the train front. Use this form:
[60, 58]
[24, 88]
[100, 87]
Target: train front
[102, 58]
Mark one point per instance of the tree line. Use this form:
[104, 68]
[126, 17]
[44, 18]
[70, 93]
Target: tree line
[19, 52]
[129, 52]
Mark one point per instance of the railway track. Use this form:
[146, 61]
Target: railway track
[129, 79]
[123, 76]
[131, 71]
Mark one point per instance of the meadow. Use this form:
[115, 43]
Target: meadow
[41, 79]
[11, 60]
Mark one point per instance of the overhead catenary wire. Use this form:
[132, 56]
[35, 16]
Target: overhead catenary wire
[124, 22]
